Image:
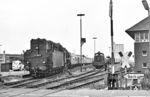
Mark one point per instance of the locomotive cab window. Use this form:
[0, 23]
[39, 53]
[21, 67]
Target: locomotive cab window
[98, 57]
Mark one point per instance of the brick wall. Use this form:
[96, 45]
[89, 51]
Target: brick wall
[139, 58]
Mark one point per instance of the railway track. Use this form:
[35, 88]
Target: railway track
[31, 82]
[85, 82]
[23, 83]
[71, 86]
[56, 81]
[82, 79]
[17, 82]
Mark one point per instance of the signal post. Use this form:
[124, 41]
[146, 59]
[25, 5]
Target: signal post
[82, 40]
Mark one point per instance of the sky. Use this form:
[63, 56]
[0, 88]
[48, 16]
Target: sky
[57, 20]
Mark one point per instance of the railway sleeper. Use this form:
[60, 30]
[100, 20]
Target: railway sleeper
[71, 81]
[85, 84]
[45, 83]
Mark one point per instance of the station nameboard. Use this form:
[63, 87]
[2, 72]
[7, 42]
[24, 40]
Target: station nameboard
[134, 76]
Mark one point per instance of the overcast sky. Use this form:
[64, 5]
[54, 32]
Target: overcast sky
[56, 20]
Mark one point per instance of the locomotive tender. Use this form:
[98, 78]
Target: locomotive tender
[45, 58]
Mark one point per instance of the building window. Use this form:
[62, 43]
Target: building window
[144, 53]
[144, 65]
[141, 37]
[137, 37]
[146, 36]
[138, 71]
[135, 81]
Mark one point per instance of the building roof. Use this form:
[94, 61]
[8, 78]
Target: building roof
[140, 26]
[11, 57]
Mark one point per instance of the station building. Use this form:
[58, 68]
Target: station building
[6, 60]
[140, 32]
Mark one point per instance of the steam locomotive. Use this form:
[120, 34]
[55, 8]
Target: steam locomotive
[46, 58]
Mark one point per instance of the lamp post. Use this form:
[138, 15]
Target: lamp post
[146, 6]
[80, 15]
[94, 44]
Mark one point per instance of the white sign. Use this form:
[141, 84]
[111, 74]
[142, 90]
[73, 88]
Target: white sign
[134, 76]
